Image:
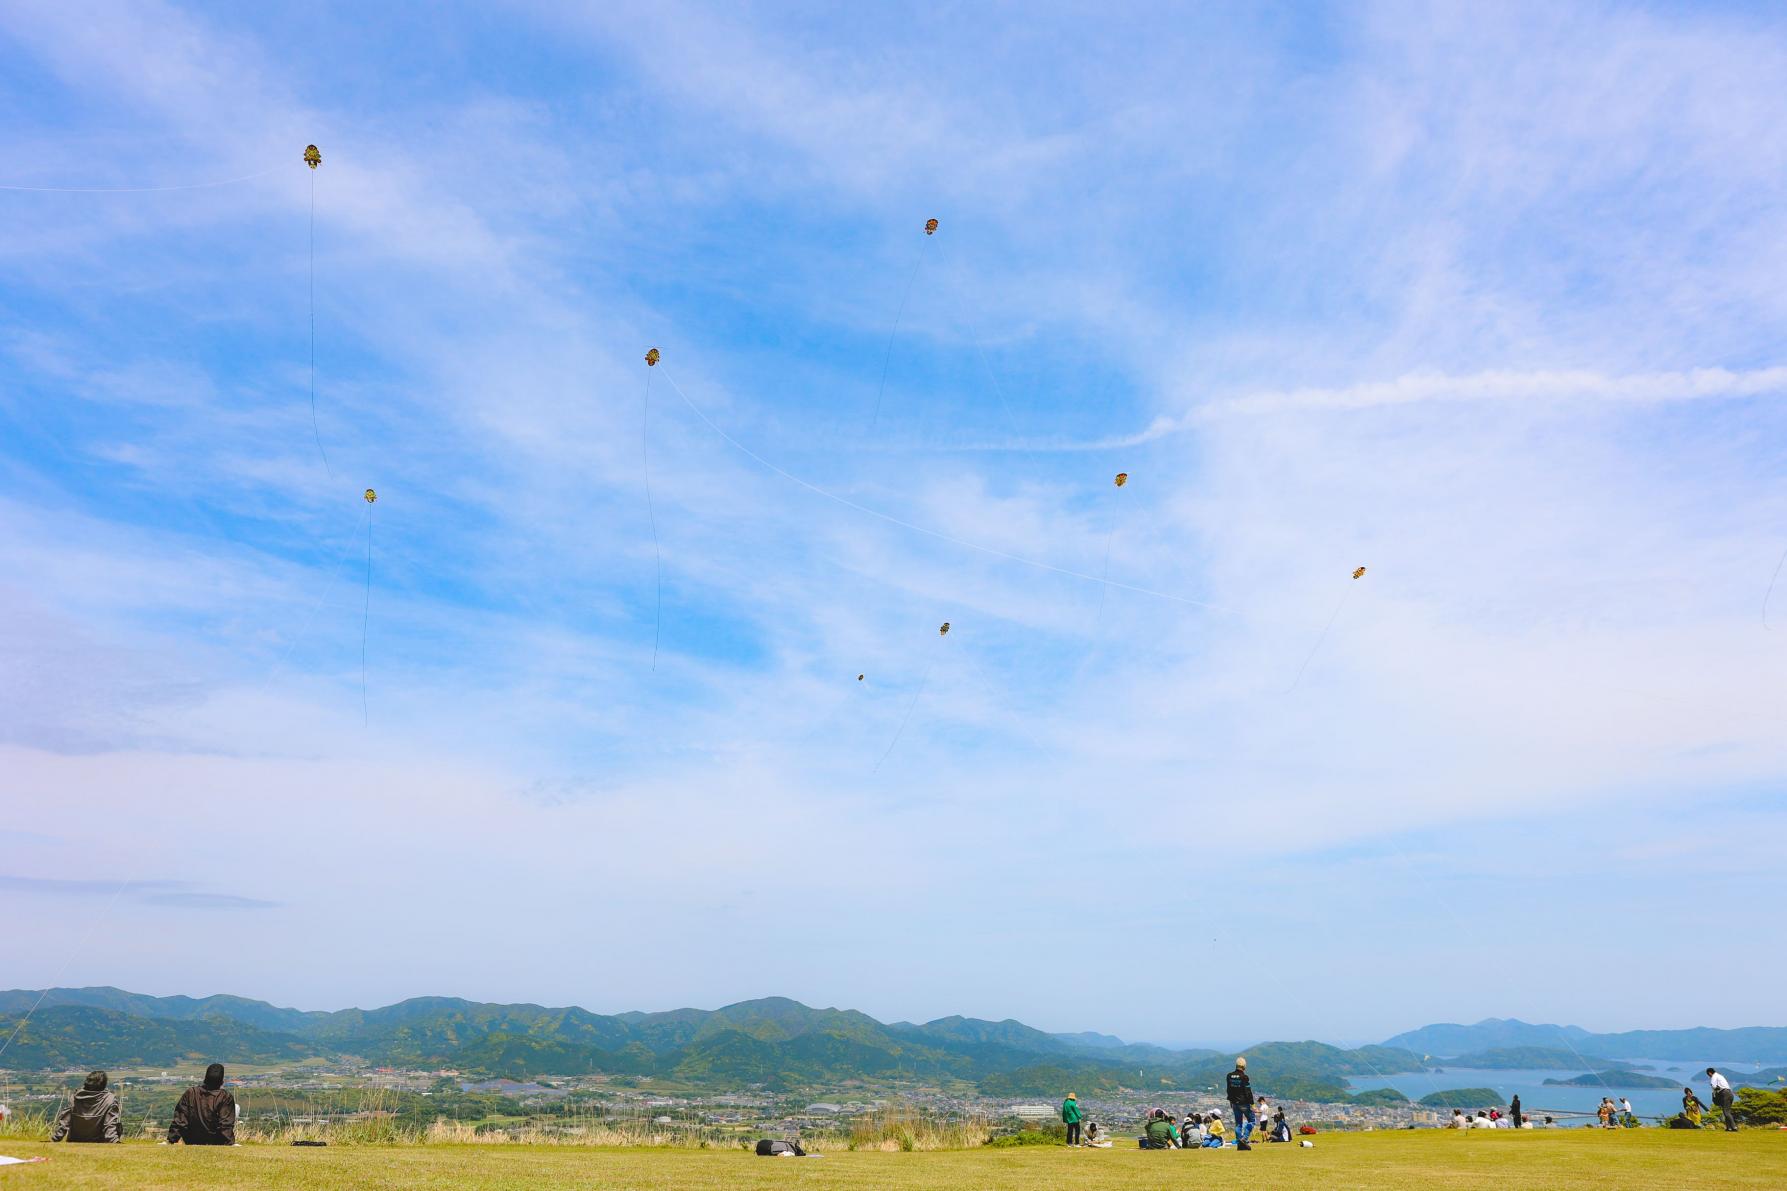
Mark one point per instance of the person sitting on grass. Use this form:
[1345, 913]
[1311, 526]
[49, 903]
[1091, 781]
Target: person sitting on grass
[1459, 1120]
[1191, 1131]
[91, 1115]
[1281, 1128]
[1213, 1131]
[1161, 1134]
[206, 1115]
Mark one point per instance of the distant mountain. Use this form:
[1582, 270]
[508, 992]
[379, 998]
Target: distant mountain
[1089, 1039]
[1613, 1078]
[1760, 1044]
[774, 1042]
[1492, 1033]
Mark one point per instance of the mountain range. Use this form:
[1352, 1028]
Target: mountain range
[1760, 1044]
[774, 1042]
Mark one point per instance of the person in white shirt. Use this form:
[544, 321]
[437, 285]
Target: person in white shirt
[1723, 1098]
[1459, 1120]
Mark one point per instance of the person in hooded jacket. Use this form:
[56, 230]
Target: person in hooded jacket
[91, 1115]
[206, 1115]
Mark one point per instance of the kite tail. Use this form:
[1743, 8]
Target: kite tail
[652, 516]
[1332, 617]
[1771, 589]
[365, 618]
[313, 426]
[904, 720]
[899, 314]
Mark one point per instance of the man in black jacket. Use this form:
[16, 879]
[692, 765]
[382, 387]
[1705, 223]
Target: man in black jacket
[91, 1116]
[206, 1115]
[1240, 1091]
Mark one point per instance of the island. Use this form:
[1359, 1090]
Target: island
[1615, 1077]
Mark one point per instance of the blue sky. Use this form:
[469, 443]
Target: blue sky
[1488, 302]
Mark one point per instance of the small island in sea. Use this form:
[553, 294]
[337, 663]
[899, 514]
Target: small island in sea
[1616, 1077]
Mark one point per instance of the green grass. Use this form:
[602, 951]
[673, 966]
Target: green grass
[1627, 1159]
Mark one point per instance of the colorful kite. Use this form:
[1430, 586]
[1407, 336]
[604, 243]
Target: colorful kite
[312, 158]
[652, 357]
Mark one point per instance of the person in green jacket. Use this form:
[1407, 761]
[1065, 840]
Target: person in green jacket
[1070, 1116]
[1161, 1133]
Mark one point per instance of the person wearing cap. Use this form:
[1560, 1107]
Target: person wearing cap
[1240, 1091]
[92, 1115]
[1070, 1116]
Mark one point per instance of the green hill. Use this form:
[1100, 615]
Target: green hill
[1466, 1098]
[1615, 1077]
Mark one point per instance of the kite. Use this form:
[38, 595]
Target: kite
[859, 678]
[312, 157]
[1359, 573]
[930, 227]
[371, 496]
[652, 357]
[1122, 478]
[943, 631]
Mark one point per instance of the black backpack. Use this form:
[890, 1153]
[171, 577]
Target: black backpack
[771, 1149]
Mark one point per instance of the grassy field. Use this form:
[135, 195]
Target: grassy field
[1628, 1159]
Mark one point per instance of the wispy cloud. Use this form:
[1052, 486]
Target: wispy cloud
[1488, 303]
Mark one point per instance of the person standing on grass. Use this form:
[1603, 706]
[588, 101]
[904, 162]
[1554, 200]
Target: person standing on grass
[1240, 1092]
[1723, 1098]
[1514, 1111]
[92, 1115]
[206, 1115]
[1070, 1116]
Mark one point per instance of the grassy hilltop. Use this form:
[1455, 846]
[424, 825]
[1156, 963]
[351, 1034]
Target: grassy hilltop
[1630, 1159]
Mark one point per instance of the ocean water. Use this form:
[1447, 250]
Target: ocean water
[1536, 1099]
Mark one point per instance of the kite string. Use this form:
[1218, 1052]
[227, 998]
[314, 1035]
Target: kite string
[1771, 588]
[899, 314]
[905, 719]
[652, 516]
[919, 529]
[313, 426]
[1310, 656]
[139, 189]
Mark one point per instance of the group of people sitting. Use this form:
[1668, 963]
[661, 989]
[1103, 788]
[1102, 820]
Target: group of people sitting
[1495, 1118]
[1201, 1130]
[205, 1115]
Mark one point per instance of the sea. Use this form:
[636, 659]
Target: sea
[1536, 1099]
